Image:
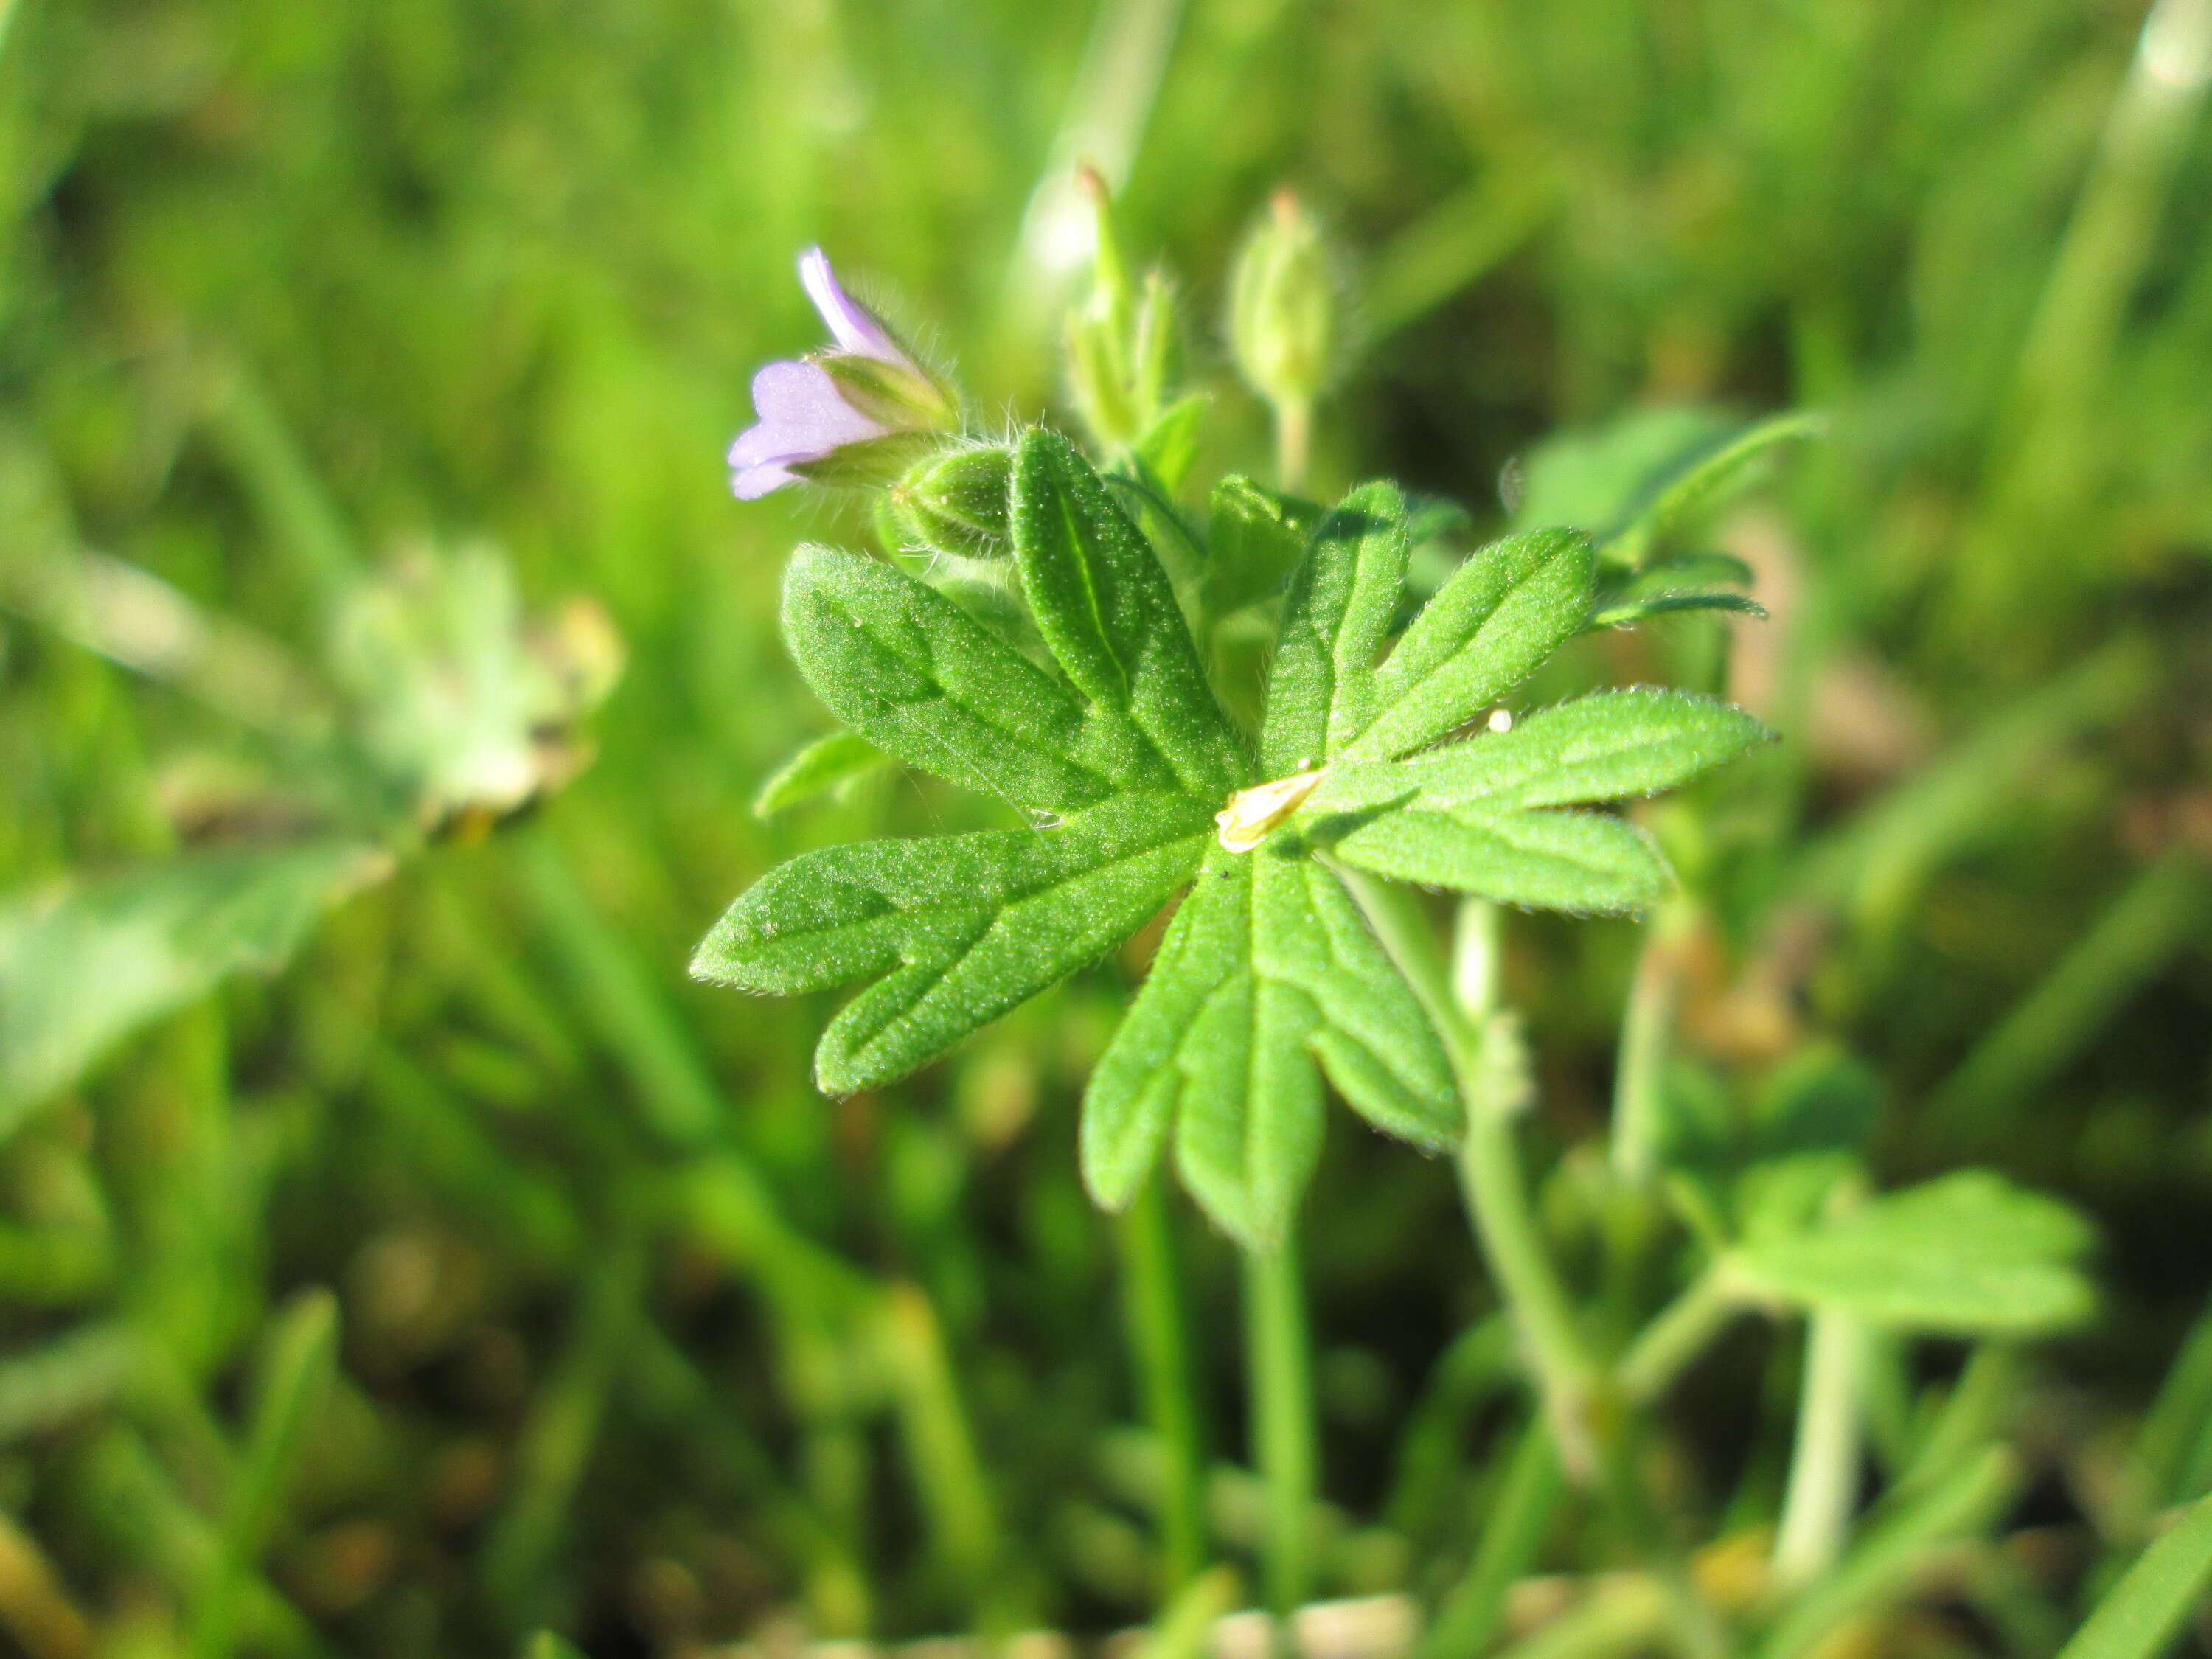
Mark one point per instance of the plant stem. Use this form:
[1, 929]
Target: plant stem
[1487, 1057]
[1646, 1032]
[1493, 1082]
[1671, 1341]
[1283, 1440]
[1470, 1617]
[1483, 1046]
[948, 1471]
[1898, 1554]
[1824, 1466]
[1293, 443]
[1152, 1292]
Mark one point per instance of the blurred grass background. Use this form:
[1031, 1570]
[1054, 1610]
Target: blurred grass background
[477, 1272]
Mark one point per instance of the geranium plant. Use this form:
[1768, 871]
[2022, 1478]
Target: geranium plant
[1056, 630]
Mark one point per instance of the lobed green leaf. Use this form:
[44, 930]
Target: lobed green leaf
[1322, 687]
[914, 674]
[1507, 609]
[1108, 614]
[961, 928]
[1724, 472]
[1601, 479]
[1968, 1254]
[1766, 1163]
[1267, 968]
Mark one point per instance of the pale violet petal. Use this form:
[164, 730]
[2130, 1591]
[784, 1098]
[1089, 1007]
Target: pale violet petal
[751, 482]
[801, 417]
[853, 326]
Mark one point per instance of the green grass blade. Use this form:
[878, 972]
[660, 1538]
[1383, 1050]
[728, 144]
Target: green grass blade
[2143, 1613]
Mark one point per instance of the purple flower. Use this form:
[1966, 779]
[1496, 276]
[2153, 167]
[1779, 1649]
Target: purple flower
[847, 415]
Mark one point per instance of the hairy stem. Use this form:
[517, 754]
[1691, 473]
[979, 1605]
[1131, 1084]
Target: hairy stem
[1153, 1302]
[1682, 1331]
[1823, 1465]
[1293, 443]
[1283, 1440]
[1494, 1083]
[1463, 997]
[1646, 1036]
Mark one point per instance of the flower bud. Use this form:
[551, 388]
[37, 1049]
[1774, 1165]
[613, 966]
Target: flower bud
[957, 502]
[1283, 306]
[1121, 338]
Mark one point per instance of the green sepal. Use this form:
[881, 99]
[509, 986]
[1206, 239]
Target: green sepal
[917, 674]
[1267, 969]
[961, 928]
[894, 394]
[1109, 616]
[955, 503]
[867, 463]
[1507, 609]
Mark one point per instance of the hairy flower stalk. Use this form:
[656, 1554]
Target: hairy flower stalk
[859, 414]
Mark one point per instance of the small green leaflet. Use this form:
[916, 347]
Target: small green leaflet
[916, 675]
[1688, 581]
[1638, 478]
[1320, 689]
[1106, 609]
[1969, 1255]
[1590, 863]
[1255, 539]
[825, 766]
[1506, 610]
[1766, 1163]
[1268, 978]
[1168, 448]
[961, 927]
[1607, 746]
[1464, 817]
